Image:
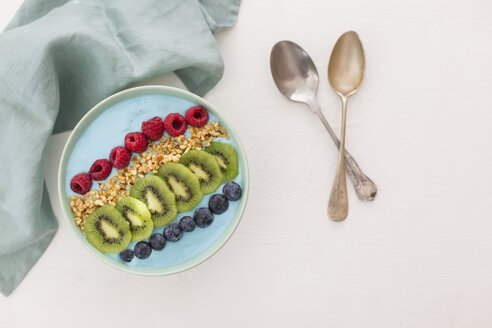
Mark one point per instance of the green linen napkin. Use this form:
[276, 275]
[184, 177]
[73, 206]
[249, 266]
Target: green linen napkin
[58, 58]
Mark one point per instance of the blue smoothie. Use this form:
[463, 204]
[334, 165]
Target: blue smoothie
[107, 131]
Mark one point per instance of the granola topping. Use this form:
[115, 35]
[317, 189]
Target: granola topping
[168, 148]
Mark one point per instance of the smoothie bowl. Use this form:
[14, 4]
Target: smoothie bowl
[153, 180]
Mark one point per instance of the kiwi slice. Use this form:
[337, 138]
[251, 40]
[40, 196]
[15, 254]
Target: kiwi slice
[158, 198]
[183, 183]
[138, 216]
[205, 167]
[107, 230]
[226, 156]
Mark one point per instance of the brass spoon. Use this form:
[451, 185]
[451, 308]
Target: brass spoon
[296, 78]
[345, 73]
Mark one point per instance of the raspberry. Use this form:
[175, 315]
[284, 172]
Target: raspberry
[196, 116]
[81, 183]
[100, 170]
[153, 129]
[136, 141]
[120, 157]
[175, 124]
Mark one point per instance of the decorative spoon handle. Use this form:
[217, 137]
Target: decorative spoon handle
[364, 187]
[338, 203]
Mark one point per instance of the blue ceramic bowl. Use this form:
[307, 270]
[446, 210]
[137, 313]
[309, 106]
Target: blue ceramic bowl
[103, 128]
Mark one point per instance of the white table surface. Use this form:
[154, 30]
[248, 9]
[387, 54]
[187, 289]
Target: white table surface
[420, 255]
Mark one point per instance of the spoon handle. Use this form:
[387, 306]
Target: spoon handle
[364, 187]
[338, 203]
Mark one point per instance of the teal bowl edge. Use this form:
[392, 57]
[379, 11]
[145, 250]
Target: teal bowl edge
[90, 117]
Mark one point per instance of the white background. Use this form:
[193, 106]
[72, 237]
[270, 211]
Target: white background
[420, 255]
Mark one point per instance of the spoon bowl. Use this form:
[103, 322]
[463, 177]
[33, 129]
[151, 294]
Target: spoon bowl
[347, 63]
[293, 71]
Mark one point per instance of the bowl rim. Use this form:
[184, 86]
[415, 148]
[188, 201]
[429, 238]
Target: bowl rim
[90, 116]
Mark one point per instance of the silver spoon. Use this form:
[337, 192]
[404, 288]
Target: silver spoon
[296, 78]
[345, 73]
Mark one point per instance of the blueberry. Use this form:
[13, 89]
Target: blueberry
[126, 255]
[203, 217]
[218, 203]
[157, 241]
[173, 232]
[232, 191]
[187, 224]
[142, 250]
